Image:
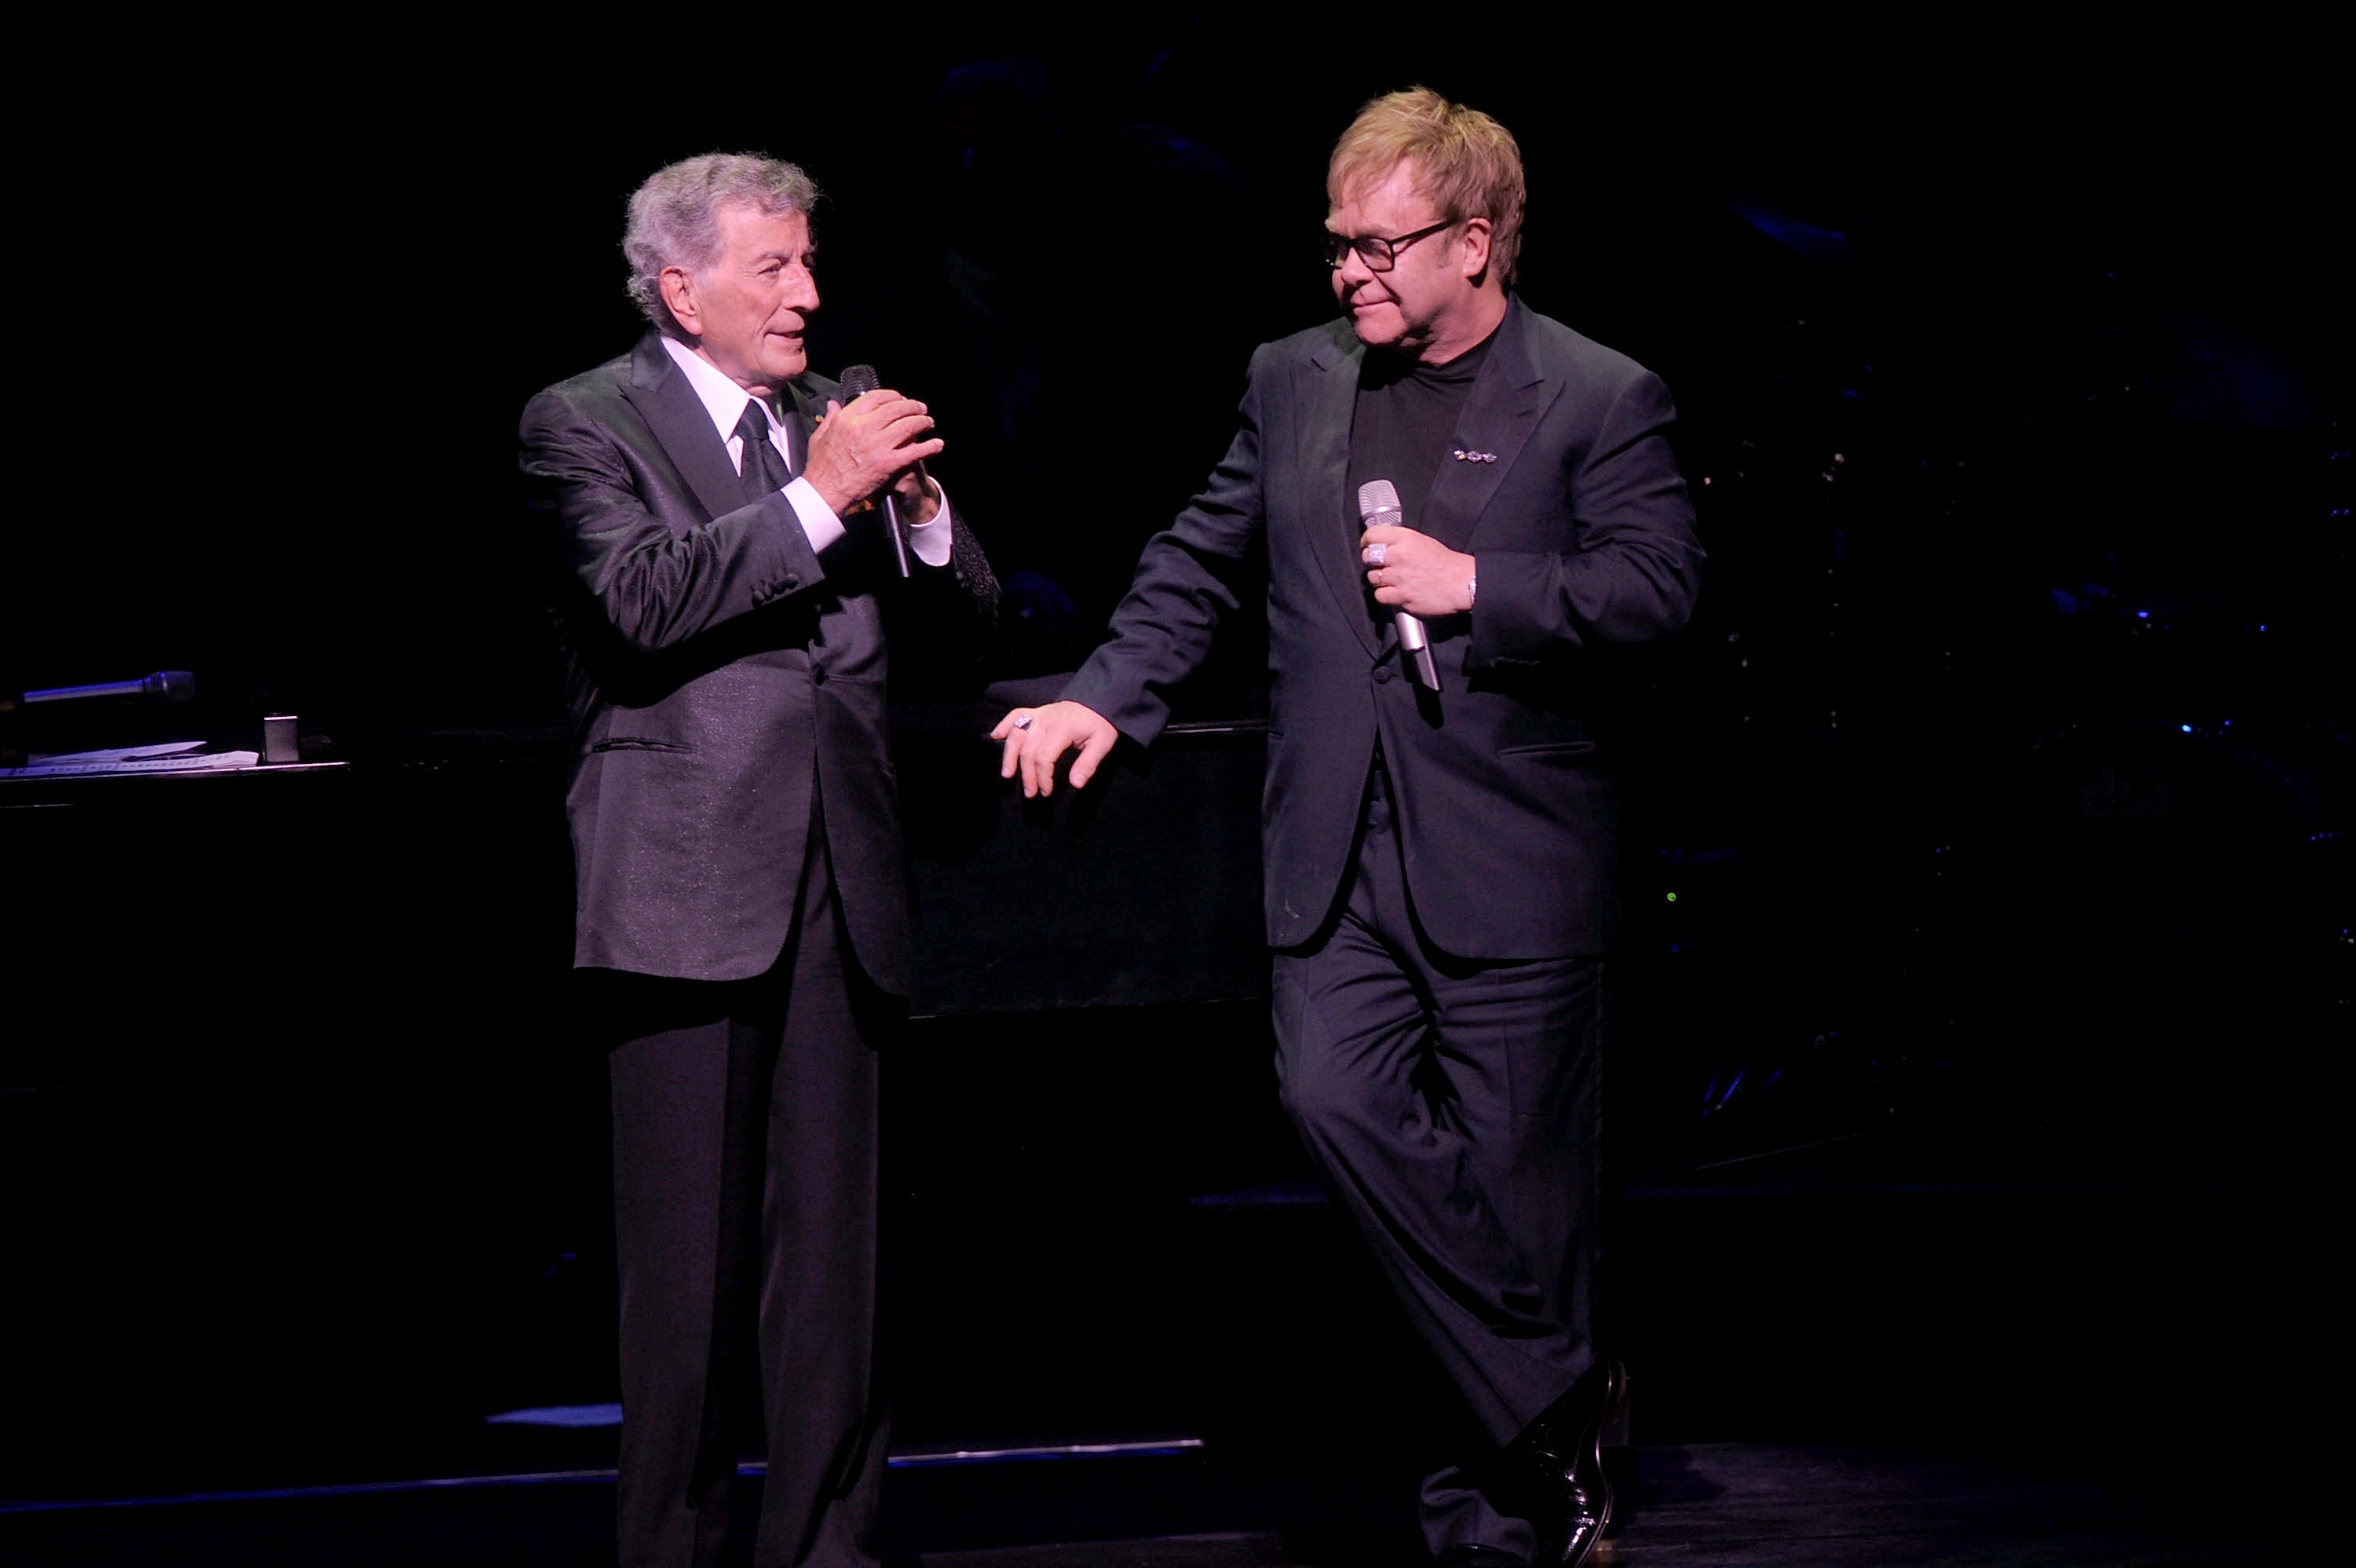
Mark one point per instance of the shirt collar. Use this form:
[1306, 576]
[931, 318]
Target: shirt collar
[722, 398]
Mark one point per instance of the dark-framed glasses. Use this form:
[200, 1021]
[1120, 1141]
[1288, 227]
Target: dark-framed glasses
[1379, 254]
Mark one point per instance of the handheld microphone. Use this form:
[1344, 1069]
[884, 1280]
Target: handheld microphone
[166, 685]
[1379, 502]
[858, 380]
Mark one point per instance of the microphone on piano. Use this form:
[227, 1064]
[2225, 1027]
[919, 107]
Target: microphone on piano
[1379, 502]
[163, 686]
[858, 380]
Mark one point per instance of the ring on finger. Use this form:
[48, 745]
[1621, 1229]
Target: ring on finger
[1024, 722]
[1377, 552]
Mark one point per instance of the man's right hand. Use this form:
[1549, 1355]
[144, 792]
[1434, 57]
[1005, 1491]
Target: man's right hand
[862, 445]
[1037, 737]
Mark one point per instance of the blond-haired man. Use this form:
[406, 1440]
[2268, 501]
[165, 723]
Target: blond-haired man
[1439, 858]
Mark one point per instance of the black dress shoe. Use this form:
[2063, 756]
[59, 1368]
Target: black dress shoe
[1559, 1462]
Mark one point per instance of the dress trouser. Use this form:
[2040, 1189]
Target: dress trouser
[744, 1200]
[1450, 1105]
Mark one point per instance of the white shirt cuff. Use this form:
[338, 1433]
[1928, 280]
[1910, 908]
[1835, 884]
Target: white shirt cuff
[818, 520]
[930, 541]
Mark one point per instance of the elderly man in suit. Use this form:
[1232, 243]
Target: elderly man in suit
[741, 895]
[1438, 856]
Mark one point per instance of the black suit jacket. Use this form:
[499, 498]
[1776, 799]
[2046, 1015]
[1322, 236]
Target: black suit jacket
[1583, 533]
[725, 683]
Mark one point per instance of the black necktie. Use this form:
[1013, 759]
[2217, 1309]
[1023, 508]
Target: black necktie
[765, 471]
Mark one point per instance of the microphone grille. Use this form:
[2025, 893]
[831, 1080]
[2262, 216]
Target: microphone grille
[857, 381]
[1378, 495]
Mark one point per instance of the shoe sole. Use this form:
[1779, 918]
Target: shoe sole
[1615, 1399]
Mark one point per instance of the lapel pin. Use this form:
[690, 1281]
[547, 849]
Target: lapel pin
[1464, 456]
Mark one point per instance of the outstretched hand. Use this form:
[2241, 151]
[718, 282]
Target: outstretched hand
[1037, 737]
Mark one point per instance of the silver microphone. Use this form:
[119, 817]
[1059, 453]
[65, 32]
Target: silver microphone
[1379, 502]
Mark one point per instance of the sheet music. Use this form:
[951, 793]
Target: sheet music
[179, 758]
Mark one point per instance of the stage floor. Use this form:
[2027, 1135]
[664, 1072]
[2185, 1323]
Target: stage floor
[1708, 1505]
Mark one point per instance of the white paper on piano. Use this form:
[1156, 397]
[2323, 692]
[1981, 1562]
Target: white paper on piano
[120, 754]
[173, 761]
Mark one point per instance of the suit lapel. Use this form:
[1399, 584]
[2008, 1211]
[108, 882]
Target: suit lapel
[1329, 395]
[799, 415]
[1500, 414]
[661, 393]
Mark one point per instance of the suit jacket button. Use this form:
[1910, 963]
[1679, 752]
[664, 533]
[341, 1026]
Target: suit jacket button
[1382, 672]
[792, 582]
[818, 674]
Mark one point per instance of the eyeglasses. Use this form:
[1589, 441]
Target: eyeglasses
[1380, 255]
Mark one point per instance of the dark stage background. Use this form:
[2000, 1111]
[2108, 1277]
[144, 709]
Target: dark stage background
[1990, 895]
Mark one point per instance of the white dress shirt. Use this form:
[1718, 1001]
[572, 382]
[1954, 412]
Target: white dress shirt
[724, 400]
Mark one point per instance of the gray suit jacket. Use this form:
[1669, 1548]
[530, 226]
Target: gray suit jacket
[1583, 532]
[725, 683]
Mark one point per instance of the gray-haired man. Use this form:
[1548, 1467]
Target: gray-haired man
[741, 931]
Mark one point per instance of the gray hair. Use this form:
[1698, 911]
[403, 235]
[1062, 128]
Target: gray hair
[675, 216]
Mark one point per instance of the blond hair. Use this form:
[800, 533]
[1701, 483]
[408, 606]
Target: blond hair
[1465, 164]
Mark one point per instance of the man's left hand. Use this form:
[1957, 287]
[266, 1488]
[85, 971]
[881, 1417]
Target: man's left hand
[1418, 575]
[920, 500]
